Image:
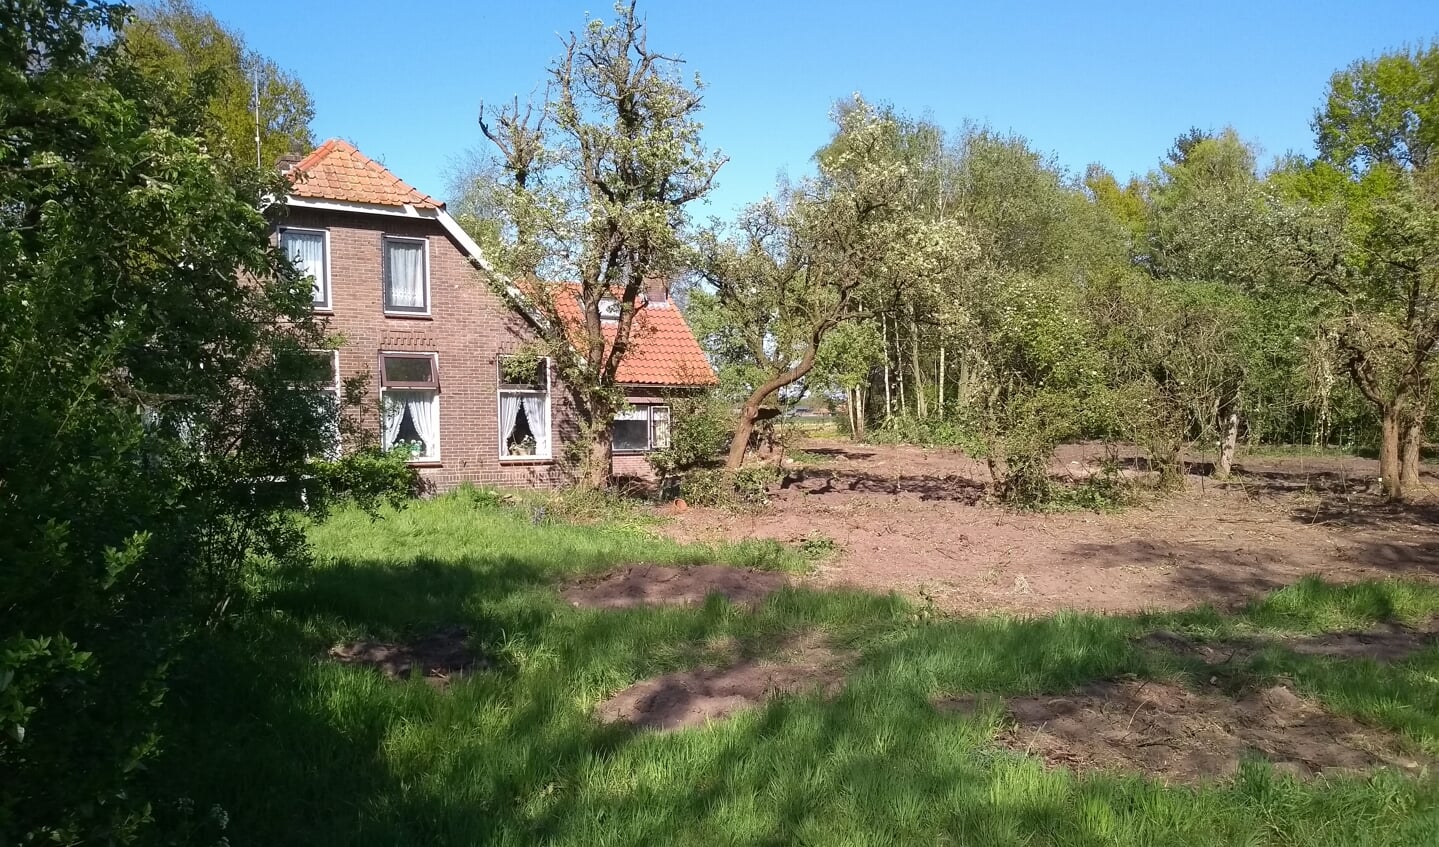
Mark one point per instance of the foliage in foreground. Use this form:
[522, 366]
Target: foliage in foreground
[160, 404]
[301, 751]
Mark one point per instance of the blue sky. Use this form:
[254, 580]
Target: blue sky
[1088, 81]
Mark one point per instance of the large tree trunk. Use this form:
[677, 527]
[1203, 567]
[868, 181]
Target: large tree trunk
[1411, 442]
[750, 410]
[598, 464]
[1390, 478]
[1225, 465]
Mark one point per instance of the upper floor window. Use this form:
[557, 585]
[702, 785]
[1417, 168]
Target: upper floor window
[407, 276]
[309, 251]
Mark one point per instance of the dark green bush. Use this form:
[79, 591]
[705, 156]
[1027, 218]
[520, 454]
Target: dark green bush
[368, 476]
[700, 428]
[159, 404]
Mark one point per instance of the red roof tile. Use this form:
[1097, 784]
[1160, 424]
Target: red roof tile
[662, 350]
[337, 171]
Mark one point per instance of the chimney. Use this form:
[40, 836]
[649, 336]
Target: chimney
[291, 157]
[657, 291]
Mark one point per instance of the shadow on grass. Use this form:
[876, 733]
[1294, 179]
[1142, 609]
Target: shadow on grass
[303, 751]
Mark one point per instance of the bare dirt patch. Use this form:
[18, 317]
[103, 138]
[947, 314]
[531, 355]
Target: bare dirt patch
[1178, 735]
[654, 585]
[908, 519]
[695, 697]
[1387, 642]
[438, 658]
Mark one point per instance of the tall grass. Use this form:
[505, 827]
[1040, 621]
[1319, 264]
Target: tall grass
[301, 751]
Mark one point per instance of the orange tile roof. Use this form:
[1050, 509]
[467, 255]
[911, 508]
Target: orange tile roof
[662, 350]
[337, 171]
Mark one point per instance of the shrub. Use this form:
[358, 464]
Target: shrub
[751, 483]
[700, 427]
[706, 487]
[159, 402]
[367, 477]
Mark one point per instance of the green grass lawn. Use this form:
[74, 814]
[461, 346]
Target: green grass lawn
[298, 750]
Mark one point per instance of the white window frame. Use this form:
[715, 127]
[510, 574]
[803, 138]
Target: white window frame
[385, 278]
[431, 459]
[500, 390]
[334, 388]
[328, 304]
[669, 419]
[642, 412]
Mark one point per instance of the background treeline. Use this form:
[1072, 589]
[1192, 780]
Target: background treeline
[963, 288]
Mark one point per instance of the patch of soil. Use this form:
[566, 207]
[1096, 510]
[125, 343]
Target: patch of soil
[1387, 642]
[654, 585]
[913, 520]
[695, 697]
[1178, 735]
[439, 657]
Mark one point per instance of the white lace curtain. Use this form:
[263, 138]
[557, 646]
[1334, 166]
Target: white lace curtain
[509, 417]
[536, 408]
[307, 252]
[405, 266]
[535, 413]
[424, 408]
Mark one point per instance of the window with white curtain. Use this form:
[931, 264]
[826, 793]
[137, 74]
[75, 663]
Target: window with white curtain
[309, 251]
[329, 395]
[410, 404]
[524, 408]
[641, 429]
[407, 275]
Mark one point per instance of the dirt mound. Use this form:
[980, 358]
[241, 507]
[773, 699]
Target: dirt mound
[694, 697]
[1178, 735]
[1388, 642]
[438, 657]
[654, 585]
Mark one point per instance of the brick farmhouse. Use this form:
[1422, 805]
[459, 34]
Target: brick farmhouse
[398, 280]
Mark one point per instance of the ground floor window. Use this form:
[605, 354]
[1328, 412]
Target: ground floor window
[410, 404]
[641, 429]
[524, 408]
[328, 397]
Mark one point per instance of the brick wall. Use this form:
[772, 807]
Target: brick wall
[468, 327]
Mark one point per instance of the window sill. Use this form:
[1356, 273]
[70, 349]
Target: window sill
[410, 316]
[630, 452]
[525, 460]
[425, 463]
[323, 310]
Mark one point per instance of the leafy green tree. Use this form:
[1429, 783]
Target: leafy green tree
[596, 184]
[1208, 218]
[1372, 257]
[1361, 230]
[793, 271]
[1127, 205]
[1382, 112]
[186, 48]
[159, 400]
